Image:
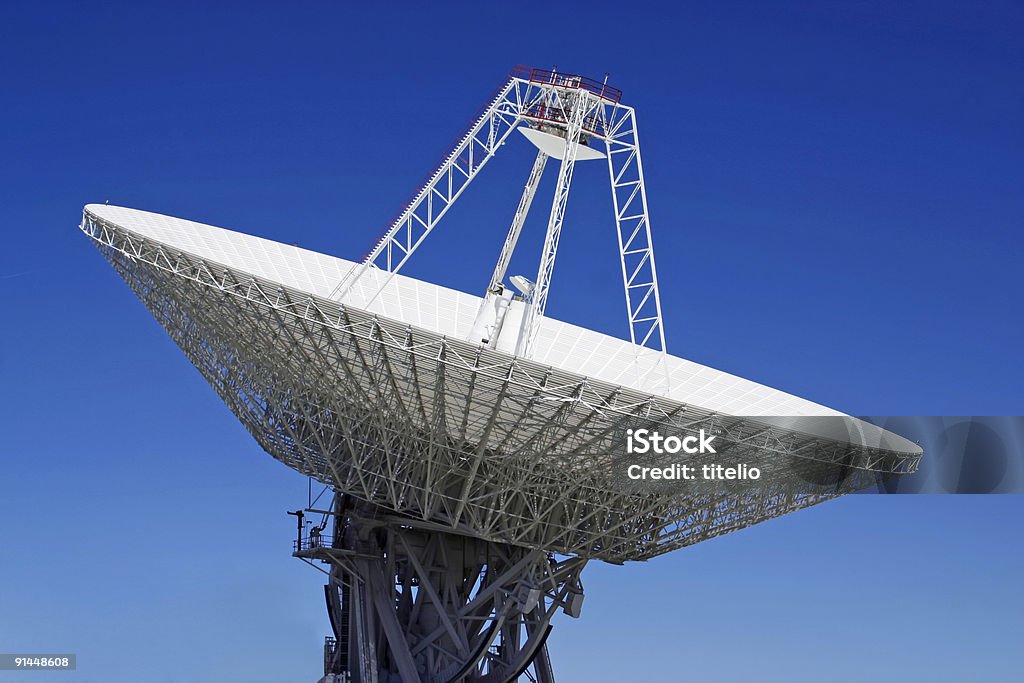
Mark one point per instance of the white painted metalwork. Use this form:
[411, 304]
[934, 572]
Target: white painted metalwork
[518, 219]
[636, 249]
[554, 145]
[426, 425]
[574, 109]
[440, 440]
[548, 100]
[461, 165]
[444, 312]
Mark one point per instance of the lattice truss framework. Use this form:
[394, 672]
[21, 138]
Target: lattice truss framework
[581, 108]
[445, 431]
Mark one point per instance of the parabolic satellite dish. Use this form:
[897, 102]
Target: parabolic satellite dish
[473, 443]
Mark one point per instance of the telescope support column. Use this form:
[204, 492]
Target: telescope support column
[409, 603]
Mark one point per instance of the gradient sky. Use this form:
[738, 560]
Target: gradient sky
[835, 191]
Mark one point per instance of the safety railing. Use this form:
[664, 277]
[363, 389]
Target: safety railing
[599, 88]
[311, 542]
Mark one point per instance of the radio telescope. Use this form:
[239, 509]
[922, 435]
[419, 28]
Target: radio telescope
[468, 441]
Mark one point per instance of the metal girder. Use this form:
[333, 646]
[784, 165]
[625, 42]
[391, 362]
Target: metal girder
[636, 249]
[431, 201]
[575, 110]
[575, 106]
[507, 249]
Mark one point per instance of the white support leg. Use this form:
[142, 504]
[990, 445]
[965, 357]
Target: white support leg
[517, 221]
[538, 300]
[636, 250]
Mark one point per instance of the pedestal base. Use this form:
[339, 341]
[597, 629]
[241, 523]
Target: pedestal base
[409, 603]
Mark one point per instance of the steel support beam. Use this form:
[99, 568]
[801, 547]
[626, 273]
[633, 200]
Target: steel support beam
[537, 301]
[517, 221]
[633, 225]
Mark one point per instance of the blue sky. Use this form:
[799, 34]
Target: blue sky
[835, 191]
